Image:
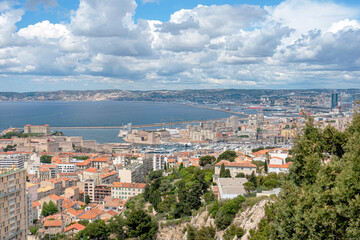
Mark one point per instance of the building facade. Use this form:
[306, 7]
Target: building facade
[14, 204]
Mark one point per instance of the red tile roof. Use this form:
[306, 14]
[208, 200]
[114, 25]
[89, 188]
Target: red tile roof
[91, 214]
[75, 226]
[286, 165]
[53, 223]
[236, 164]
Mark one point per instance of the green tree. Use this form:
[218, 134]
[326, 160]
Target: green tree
[252, 179]
[249, 187]
[48, 209]
[45, 159]
[206, 233]
[97, 230]
[227, 155]
[204, 160]
[319, 199]
[140, 224]
[266, 166]
[240, 175]
[233, 231]
[87, 199]
[222, 170]
[10, 148]
[116, 225]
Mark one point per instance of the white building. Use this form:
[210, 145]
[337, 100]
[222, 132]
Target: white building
[277, 168]
[67, 167]
[159, 162]
[12, 161]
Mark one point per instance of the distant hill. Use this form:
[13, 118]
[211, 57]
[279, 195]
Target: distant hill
[209, 96]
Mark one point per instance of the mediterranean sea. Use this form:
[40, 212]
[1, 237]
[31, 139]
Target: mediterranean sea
[98, 114]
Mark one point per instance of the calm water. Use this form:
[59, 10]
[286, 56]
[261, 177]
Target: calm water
[86, 114]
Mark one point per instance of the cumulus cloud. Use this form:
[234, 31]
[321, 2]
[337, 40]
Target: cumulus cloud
[217, 46]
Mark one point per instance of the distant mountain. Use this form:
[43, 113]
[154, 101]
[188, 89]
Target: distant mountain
[210, 96]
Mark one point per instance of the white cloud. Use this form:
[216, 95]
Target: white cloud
[208, 46]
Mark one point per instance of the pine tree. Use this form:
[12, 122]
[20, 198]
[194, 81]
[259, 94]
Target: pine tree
[266, 166]
[253, 179]
[222, 170]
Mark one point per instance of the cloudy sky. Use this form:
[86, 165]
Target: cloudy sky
[187, 44]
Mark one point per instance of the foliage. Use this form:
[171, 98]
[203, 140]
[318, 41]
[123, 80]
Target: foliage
[224, 173]
[262, 148]
[204, 233]
[87, 199]
[233, 231]
[253, 179]
[34, 230]
[49, 209]
[266, 166]
[204, 160]
[320, 199]
[116, 225]
[95, 230]
[81, 157]
[140, 224]
[209, 197]
[154, 175]
[45, 159]
[227, 155]
[10, 148]
[240, 175]
[84, 222]
[178, 194]
[225, 211]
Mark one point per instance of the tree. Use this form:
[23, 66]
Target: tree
[266, 166]
[227, 174]
[10, 148]
[87, 199]
[45, 159]
[249, 187]
[222, 170]
[116, 225]
[320, 200]
[240, 175]
[227, 155]
[206, 233]
[140, 224]
[97, 230]
[204, 160]
[253, 179]
[48, 209]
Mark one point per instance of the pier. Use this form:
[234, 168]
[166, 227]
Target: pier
[143, 125]
[220, 110]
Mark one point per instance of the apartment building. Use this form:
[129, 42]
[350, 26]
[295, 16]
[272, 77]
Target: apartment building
[13, 204]
[12, 161]
[235, 168]
[126, 190]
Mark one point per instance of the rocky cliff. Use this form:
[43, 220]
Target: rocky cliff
[248, 219]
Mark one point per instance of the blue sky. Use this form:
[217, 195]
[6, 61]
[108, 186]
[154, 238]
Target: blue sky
[167, 44]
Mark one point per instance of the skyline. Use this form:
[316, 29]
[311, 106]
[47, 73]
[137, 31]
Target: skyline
[49, 45]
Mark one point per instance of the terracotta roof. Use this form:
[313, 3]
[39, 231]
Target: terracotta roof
[55, 197]
[286, 165]
[75, 226]
[91, 214]
[128, 185]
[277, 158]
[93, 170]
[83, 163]
[111, 212]
[35, 204]
[74, 212]
[100, 159]
[107, 174]
[236, 164]
[261, 152]
[52, 223]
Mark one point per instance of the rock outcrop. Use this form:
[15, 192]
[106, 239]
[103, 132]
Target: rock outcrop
[248, 219]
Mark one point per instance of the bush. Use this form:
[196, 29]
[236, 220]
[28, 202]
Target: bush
[233, 231]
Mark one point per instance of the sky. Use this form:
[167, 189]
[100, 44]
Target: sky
[49, 45]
